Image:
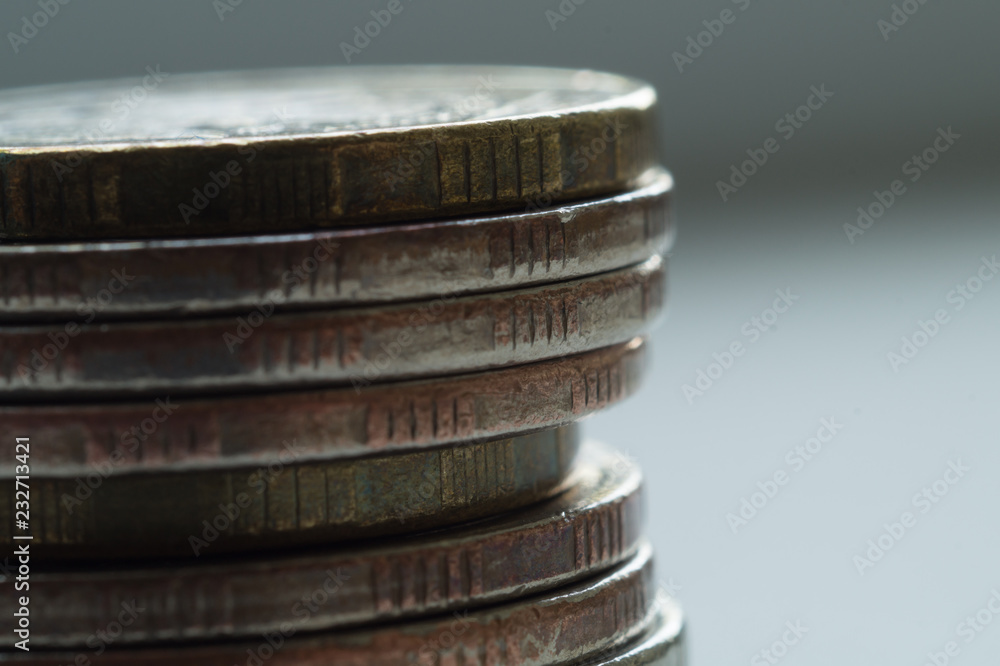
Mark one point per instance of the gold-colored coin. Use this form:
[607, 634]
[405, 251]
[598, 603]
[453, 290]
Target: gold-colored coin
[282, 150]
[289, 503]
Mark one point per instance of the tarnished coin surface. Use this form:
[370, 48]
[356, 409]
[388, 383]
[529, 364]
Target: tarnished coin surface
[128, 279]
[357, 347]
[96, 440]
[282, 150]
[289, 503]
[557, 627]
[662, 646]
[593, 526]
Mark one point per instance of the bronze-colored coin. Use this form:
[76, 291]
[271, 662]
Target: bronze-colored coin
[357, 346]
[558, 627]
[593, 526]
[97, 281]
[94, 440]
[284, 150]
[289, 503]
[662, 646]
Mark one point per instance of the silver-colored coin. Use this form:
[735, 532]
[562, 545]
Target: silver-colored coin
[355, 347]
[129, 279]
[201, 109]
[92, 441]
[563, 626]
[594, 525]
[662, 646]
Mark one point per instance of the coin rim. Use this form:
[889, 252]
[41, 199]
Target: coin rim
[594, 380]
[597, 485]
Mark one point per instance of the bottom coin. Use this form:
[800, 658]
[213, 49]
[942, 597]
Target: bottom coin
[193, 514]
[662, 646]
[590, 528]
[559, 627]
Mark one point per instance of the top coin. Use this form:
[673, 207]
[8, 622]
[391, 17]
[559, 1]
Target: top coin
[282, 150]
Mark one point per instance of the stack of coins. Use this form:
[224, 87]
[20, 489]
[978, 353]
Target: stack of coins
[291, 365]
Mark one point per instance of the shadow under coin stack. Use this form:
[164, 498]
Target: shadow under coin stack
[295, 360]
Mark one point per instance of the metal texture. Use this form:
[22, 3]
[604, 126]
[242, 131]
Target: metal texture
[127, 279]
[97, 439]
[355, 346]
[284, 150]
[662, 646]
[289, 503]
[593, 526]
[560, 627]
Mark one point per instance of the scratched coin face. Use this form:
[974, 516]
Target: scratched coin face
[283, 150]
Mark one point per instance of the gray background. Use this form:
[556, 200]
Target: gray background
[825, 357]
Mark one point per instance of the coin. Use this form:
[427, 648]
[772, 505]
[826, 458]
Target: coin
[281, 150]
[355, 346]
[591, 527]
[662, 646]
[95, 440]
[290, 503]
[558, 627]
[127, 279]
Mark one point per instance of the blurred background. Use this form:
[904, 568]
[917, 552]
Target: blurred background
[887, 356]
